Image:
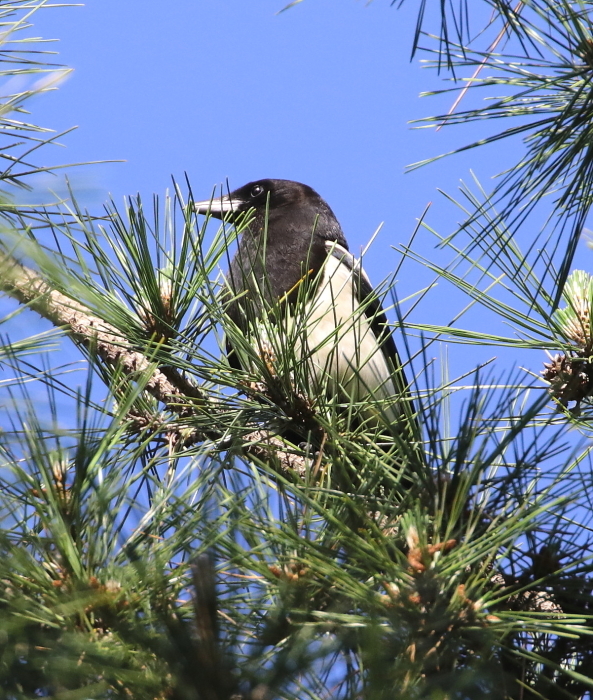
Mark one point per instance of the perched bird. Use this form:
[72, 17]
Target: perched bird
[293, 263]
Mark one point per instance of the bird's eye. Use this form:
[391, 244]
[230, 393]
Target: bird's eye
[256, 190]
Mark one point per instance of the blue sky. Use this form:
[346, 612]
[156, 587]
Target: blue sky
[223, 89]
[217, 89]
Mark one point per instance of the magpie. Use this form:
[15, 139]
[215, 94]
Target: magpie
[293, 255]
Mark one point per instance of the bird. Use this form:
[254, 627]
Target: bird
[293, 263]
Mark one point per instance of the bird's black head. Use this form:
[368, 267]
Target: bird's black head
[288, 206]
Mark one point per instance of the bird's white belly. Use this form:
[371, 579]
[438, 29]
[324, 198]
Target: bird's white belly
[339, 349]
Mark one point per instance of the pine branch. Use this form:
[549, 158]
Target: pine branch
[27, 287]
[167, 385]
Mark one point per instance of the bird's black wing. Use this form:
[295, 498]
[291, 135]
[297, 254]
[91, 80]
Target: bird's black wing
[372, 308]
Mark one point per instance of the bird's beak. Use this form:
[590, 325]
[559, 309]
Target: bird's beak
[221, 207]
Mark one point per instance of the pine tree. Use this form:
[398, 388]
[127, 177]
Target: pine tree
[170, 543]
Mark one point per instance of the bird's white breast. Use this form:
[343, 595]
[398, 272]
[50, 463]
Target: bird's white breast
[339, 348]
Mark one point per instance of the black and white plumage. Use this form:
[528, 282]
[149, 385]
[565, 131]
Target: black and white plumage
[294, 239]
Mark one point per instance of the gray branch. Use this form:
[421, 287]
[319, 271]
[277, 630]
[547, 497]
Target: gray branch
[172, 389]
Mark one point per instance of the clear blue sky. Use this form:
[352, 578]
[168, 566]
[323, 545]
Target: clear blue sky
[223, 89]
[219, 89]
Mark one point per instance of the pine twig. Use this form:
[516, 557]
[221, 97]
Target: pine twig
[169, 387]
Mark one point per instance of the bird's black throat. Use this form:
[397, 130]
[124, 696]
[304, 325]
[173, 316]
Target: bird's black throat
[281, 250]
